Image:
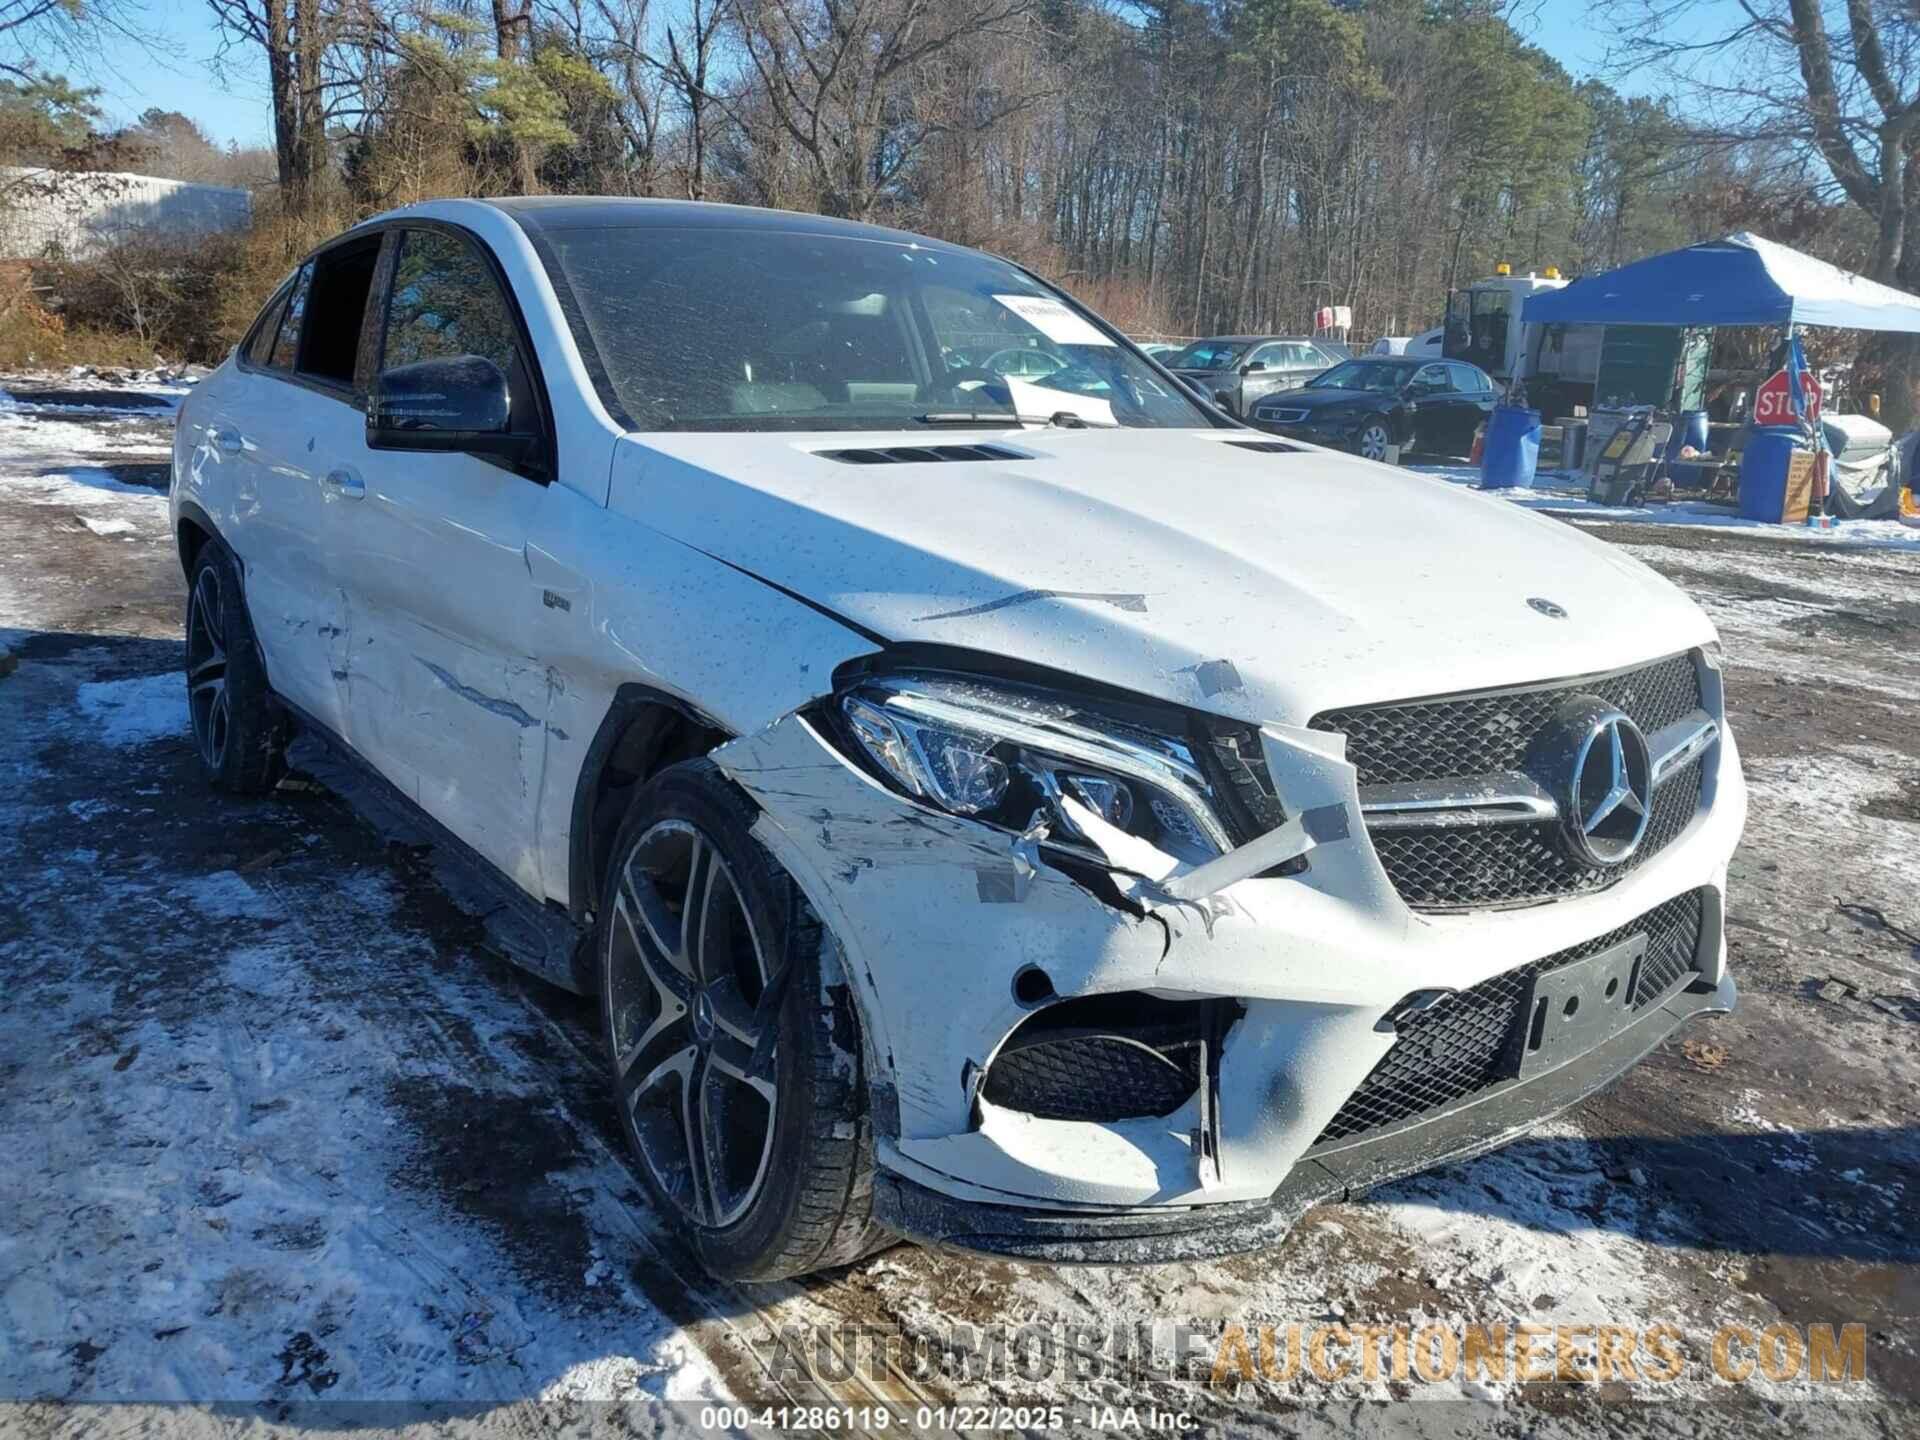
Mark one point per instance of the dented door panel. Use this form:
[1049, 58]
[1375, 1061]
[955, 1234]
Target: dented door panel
[266, 445]
[443, 695]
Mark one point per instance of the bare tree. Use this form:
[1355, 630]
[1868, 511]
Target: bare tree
[1837, 81]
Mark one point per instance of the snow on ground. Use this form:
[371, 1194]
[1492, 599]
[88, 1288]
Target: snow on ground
[135, 710]
[1558, 493]
[216, 1185]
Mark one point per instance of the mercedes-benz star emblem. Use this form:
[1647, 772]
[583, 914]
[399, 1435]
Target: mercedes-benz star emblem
[1547, 608]
[1596, 761]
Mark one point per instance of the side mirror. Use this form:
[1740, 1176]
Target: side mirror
[1253, 365]
[460, 404]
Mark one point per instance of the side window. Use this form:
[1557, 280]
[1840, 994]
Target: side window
[445, 302]
[259, 342]
[336, 309]
[1432, 377]
[1271, 356]
[1467, 379]
[286, 343]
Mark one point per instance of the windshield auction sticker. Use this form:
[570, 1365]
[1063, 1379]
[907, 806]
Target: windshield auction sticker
[1053, 320]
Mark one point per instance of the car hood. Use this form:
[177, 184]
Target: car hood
[1175, 564]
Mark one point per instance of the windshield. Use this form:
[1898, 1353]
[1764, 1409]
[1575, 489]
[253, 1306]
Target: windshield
[1375, 375]
[1207, 355]
[715, 329]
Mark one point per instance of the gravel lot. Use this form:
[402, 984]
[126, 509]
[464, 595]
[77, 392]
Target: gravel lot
[281, 1132]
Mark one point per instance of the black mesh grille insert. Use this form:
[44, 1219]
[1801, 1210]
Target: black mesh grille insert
[1466, 736]
[1099, 1078]
[1517, 864]
[1471, 1039]
[1481, 734]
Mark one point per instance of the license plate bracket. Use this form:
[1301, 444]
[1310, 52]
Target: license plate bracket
[1576, 1007]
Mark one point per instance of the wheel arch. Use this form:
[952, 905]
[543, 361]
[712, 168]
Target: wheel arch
[644, 731]
[193, 528]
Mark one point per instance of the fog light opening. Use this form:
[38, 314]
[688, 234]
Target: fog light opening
[1032, 986]
[1106, 1058]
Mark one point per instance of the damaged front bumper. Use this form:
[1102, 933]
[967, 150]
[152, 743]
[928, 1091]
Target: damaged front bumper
[1274, 996]
[1326, 1172]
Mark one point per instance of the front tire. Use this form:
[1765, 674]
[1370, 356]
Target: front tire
[1372, 441]
[239, 729]
[733, 1036]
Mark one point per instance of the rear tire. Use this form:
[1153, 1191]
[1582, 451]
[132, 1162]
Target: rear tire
[734, 1038]
[239, 728]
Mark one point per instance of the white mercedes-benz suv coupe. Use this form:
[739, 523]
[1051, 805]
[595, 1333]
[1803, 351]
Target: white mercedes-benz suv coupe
[997, 799]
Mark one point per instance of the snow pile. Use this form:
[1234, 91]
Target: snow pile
[1571, 504]
[137, 710]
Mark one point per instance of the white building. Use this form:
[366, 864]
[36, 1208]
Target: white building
[76, 214]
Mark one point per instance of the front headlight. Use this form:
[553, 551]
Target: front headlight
[1009, 756]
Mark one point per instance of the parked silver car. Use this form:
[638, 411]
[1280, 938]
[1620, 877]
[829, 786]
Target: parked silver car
[1235, 370]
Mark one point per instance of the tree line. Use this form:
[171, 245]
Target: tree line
[1186, 166]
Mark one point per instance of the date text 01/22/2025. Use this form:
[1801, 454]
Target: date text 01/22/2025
[947, 1418]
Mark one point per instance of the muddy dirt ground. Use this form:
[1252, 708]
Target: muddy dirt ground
[279, 1130]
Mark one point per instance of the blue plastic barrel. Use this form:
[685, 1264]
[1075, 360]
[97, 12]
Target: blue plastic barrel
[1763, 471]
[1692, 429]
[1512, 448]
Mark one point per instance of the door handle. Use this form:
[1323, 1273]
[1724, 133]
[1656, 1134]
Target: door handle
[228, 442]
[345, 484]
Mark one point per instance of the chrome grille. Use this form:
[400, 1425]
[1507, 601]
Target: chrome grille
[1459, 737]
[1470, 1040]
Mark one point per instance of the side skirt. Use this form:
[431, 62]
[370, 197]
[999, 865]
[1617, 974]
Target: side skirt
[538, 938]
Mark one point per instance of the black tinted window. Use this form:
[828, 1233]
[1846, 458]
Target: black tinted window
[445, 302]
[260, 338]
[287, 344]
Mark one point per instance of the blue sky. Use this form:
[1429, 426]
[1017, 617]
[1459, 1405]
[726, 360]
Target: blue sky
[232, 106]
[180, 76]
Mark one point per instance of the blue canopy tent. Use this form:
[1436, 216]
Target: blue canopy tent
[1740, 280]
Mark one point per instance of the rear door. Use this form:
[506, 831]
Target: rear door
[444, 698]
[296, 397]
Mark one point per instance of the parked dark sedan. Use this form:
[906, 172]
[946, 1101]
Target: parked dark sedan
[1368, 404]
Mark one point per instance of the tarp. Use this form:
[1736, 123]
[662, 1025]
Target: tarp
[1741, 280]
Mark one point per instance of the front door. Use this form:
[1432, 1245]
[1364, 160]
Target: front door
[444, 695]
[1430, 417]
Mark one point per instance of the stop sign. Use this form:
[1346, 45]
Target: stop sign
[1773, 401]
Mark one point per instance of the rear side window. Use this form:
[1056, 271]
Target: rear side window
[1466, 378]
[286, 343]
[259, 343]
[336, 309]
